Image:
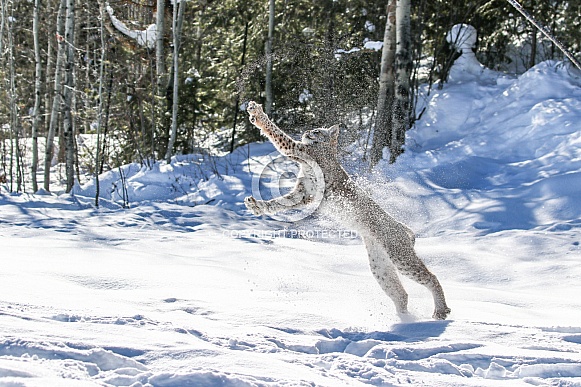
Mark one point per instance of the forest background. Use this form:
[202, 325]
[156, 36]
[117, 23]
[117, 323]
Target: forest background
[142, 80]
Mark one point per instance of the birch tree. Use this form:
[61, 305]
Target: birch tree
[403, 65]
[383, 120]
[159, 48]
[14, 124]
[177, 22]
[37, 91]
[3, 177]
[268, 52]
[393, 102]
[2, 22]
[48, 69]
[100, 107]
[56, 101]
[69, 88]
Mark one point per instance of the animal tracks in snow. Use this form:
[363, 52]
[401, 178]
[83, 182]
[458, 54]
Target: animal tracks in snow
[136, 320]
[382, 357]
[463, 352]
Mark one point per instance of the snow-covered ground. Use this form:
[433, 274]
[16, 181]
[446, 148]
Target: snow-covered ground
[186, 288]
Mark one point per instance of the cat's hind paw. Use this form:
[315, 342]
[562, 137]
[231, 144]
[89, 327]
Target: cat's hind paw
[441, 314]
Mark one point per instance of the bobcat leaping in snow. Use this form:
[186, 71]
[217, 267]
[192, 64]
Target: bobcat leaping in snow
[389, 243]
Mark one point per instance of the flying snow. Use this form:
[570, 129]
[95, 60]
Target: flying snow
[185, 287]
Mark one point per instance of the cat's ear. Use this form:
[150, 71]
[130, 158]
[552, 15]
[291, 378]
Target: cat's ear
[334, 132]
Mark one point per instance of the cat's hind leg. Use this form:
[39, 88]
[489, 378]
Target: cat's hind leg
[386, 274]
[410, 265]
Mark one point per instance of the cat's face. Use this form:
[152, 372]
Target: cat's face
[328, 136]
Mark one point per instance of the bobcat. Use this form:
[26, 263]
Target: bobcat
[389, 243]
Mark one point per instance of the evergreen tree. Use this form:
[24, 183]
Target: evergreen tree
[324, 71]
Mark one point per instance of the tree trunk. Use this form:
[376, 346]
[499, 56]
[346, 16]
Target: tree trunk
[48, 72]
[2, 22]
[69, 87]
[403, 65]
[37, 91]
[383, 120]
[56, 101]
[100, 108]
[3, 177]
[159, 49]
[268, 52]
[177, 22]
[237, 102]
[14, 135]
[533, 58]
[105, 125]
[197, 65]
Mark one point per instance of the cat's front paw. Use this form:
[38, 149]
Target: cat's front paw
[254, 109]
[252, 205]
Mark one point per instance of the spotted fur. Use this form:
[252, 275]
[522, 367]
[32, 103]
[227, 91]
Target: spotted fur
[389, 243]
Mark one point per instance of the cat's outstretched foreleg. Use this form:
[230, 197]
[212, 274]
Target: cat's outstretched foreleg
[282, 141]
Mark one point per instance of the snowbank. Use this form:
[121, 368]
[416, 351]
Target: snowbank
[186, 288]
